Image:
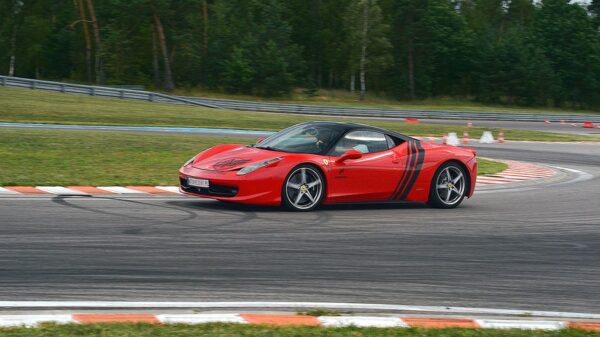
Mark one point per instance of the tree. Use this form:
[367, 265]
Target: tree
[238, 73]
[17, 8]
[594, 9]
[205, 25]
[524, 52]
[155, 64]
[433, 48]
[98, 64]
[367, 41]
[520, 12]
[160, 31]
[515, 71]
[83, 21]
[273, 78]
[309, 20]
[31, 36]
[257, 38]
[572, 46]
[408, 15]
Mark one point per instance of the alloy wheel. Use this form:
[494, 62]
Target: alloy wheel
[304, 188]
[450, 185]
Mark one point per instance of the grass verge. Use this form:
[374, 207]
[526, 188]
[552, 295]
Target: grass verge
[27, 106]
[53, 157]
[486, 166]
[374, 100]
[61, 157]
[234, 330]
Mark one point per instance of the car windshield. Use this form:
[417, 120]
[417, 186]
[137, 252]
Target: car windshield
[304, 138]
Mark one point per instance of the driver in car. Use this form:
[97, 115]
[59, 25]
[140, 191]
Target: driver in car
[347, 144]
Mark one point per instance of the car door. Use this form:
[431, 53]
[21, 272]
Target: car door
[373, 176]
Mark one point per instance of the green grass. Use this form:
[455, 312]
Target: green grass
[321, 312]
[486, 166]
[374, 100]
[27, 106]
[68, 157]
[52, 157]
[239, 330]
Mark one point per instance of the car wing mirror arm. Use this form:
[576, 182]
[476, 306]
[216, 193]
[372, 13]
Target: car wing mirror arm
[349, 155]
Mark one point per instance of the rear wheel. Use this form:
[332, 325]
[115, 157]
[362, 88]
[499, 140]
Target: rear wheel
[448, 187]
[303, 189]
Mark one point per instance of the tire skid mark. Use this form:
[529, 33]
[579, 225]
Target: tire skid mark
[61, 200]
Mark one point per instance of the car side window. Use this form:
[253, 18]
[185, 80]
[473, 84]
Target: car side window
[390, 142]
[362, 141]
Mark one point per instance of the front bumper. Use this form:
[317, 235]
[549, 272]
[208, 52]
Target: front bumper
[222, 191]
[258, 187]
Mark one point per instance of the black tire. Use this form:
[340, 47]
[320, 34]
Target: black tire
[449, 186]
[303, 195]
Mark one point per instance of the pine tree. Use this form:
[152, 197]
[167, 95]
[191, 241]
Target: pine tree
[433, 48]
[238, 74]
[594, 9]
[572, 46]
[261, 30]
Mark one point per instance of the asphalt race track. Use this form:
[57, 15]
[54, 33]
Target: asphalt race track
[535, 247]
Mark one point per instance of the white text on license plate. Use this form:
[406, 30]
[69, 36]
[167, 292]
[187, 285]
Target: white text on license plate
[198, 182]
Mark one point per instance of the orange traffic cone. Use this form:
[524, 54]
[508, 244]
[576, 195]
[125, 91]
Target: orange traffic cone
[465, 139]
[501, 136]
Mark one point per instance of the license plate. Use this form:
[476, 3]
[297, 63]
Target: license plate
[203, 183]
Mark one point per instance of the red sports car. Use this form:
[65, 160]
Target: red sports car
[316, 163]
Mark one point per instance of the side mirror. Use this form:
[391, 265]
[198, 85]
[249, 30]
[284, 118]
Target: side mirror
[350, 154]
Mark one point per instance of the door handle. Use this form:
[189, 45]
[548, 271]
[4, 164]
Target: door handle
[395, 159]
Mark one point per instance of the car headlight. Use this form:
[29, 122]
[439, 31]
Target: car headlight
[254, 167]
[190, 161]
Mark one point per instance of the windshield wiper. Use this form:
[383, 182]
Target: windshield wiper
[270, 148]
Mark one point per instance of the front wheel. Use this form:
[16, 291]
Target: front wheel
[303, 189]
[448, 187]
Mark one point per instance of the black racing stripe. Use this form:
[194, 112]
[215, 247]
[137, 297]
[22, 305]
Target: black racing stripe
[403, 178]
[416, 171]
[406, 171]
[409, 172]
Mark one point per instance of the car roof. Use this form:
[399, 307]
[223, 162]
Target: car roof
[357, 126]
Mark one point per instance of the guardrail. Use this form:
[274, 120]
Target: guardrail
[396, 113]
[305, 109]
[98, 91]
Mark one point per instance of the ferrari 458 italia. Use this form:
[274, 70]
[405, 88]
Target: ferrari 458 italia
[316, 163]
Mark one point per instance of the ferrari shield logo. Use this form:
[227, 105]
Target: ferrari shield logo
[325, 162]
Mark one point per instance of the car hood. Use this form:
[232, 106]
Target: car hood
[235, 159]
